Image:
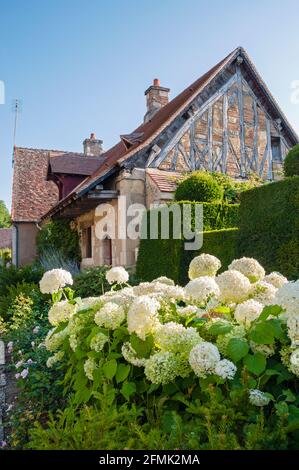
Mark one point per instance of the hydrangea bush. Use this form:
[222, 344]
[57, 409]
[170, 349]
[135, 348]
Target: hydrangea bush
[236, 333]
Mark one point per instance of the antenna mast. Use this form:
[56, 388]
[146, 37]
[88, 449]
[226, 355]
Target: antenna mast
[16, 108]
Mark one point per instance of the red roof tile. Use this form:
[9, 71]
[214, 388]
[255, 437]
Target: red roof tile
[164, 180]
[75, 164]
[32, 194]
[5, 238]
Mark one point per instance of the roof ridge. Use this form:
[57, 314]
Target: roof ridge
[46, 150]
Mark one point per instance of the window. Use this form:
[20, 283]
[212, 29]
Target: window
[87, 242]
[276, 149]
[107, 251]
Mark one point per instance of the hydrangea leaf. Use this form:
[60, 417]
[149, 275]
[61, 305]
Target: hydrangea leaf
[122, 372]
[142, 348]
[220, 328]
[255, 363]
[237, 348]
[128, 389]
[109, 369]
[274, 310]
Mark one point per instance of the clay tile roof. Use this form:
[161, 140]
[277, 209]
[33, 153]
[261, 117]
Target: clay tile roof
[74, 163]
[32, 194]
[164, 180]
[5, 238]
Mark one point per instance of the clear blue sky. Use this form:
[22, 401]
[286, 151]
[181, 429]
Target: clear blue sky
[82, 66]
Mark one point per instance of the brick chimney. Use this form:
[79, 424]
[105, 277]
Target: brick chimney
[93, 146]
[156, 98]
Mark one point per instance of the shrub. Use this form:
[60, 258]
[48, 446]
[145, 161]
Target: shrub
[11, 276]
[291, 162]
[157, 257]
[233, 189]
[5, 257]
[215, 375]
[269, 226]
[62, 237]
[91, 282]
[199, 186]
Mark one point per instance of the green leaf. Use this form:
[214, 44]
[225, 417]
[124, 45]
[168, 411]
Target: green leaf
[223, 309]
[220, 328]
[109, 369]
[142, 348]
[274, 310]
[261, 333]
[255, 363]
[128, 389]
[289, 395]
[122, 372]
[237, 348]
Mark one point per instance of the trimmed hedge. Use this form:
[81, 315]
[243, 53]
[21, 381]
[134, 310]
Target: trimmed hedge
[199, 186]
[59, 237]
[291, 162]
[169, 258]
[269, 226]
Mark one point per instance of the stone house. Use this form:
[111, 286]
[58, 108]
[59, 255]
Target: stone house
[226, 121]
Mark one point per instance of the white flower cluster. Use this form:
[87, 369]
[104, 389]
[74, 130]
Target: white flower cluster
[264, 292]
[164, 366]
[258, 398]
[276, 279]
[248, 311]
[54, 340]
[89, 368]
[225, 369]
[234, 286]
[204, 265]
[203, 358]
[52, 360]
[61, 312]
[98, 342]
[294, 362]
[249, 267]
[54, 280]
[117, 275]
[201, 290]
[130, 355]
[143, 316]
[176, 338]
[293, 328]
[287, 297]
[110, 316]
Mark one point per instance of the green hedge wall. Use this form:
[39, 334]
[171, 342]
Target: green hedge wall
[269, 226]
[169, 258]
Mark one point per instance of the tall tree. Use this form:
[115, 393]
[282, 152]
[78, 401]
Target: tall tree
[4, 216]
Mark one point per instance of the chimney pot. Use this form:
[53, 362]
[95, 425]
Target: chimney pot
[93, 146]
[156, 98]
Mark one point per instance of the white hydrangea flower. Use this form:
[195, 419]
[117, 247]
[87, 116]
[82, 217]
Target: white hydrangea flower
[201, 289]
[130, 355]
[54, 280]
[258, 398]
[234, 286]
[293, 328]
[164, 280]
[294, 362]
[98, 342]
[203, 358]
[88, 302]
[225, 369]
[110, 316]
[249, 267]
[54, 359]
[187, 311]
[287, 297]
[54, 340]
[248, 311]
[264, 292]
[122, 297]
[89, 368]
[143, 316]
[266, 349]
[204, 265]
[174, 337]
[164, 366]
[117, 275]
[61, 311]
[276, 279]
